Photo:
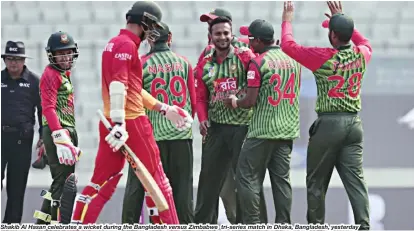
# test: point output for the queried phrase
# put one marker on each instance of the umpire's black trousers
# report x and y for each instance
(16, 155)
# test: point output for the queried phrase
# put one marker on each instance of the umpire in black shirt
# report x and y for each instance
(19, 99)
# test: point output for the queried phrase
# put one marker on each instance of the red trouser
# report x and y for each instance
(109, 164)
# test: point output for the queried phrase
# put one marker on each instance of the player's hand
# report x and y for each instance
(231, 102)
(181, 119)
(204, 125)
(117, 137)
(334, 7)
(288, 10)
(67, 153)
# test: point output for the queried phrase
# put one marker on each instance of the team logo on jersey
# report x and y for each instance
(211, 72)
(64, 38)
(233, 68)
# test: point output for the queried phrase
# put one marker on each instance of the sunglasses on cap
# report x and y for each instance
(14, 59)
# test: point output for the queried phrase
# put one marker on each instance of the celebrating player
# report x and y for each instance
(273, 81)
(124, 102)
(59, 135)
(218, 75)
(336, 137)
(228, 192)
(168, 77)
(208, 18)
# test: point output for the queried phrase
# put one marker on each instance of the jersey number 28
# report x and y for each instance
(158, 87)
(354, 86)
(288, 91)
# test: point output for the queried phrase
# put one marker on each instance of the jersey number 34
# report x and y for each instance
(159, 87)
(288, 91)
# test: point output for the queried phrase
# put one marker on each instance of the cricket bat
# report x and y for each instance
(140, 171)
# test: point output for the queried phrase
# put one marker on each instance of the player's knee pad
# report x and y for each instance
(53, 217)
(168, 216)
(68, 199)
(90, 203)
(162, 180)
(152, 209)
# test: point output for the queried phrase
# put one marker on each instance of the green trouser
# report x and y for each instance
(336, 140)
(256, 156)
(59, 172)
(177, 162)
(220, 153)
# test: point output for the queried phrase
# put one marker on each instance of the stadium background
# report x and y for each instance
(388, 91)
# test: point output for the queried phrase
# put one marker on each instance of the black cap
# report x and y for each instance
(259, 28)
(218, 12)
(340, 23)
(15, 49)
(164, 31)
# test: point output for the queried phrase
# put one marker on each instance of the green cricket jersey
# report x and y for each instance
(339, 81)
(165, 77)
(223, 79)
(276, 113)
(56, 89)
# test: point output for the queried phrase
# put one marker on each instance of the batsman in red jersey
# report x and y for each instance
(124, 102)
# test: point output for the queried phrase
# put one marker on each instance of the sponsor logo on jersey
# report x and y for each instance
(211, 72)
(109, 47)
(123, 56)
(225, 84)
(250, 75)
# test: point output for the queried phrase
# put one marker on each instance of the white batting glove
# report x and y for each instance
(67, 153)
(181, 119)
(117, 137)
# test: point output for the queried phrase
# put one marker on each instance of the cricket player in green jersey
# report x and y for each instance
(218, 75)
(59, 134)
(273, 84)
(228, 193)
(169, 78)
(336, 137)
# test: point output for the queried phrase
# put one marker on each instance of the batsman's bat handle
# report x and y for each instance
(104, 120)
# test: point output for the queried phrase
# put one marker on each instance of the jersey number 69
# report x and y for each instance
(159, 87)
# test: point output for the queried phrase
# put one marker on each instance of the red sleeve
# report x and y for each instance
(121, 62)
(202, 93)
(310, 57)
(245, 56)
(200, 59)
(49, 85)
(253, 75)
(191, 89)
(362, 44)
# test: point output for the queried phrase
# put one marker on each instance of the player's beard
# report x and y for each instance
(222, 44)
(330, 38)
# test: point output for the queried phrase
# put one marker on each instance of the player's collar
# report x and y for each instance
(132, 36)
(268, 48)
(344, 47)
(229, 55)
(158, 47)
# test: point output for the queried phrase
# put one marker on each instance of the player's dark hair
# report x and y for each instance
(343, 37)
(268, 42)
(217, 21)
